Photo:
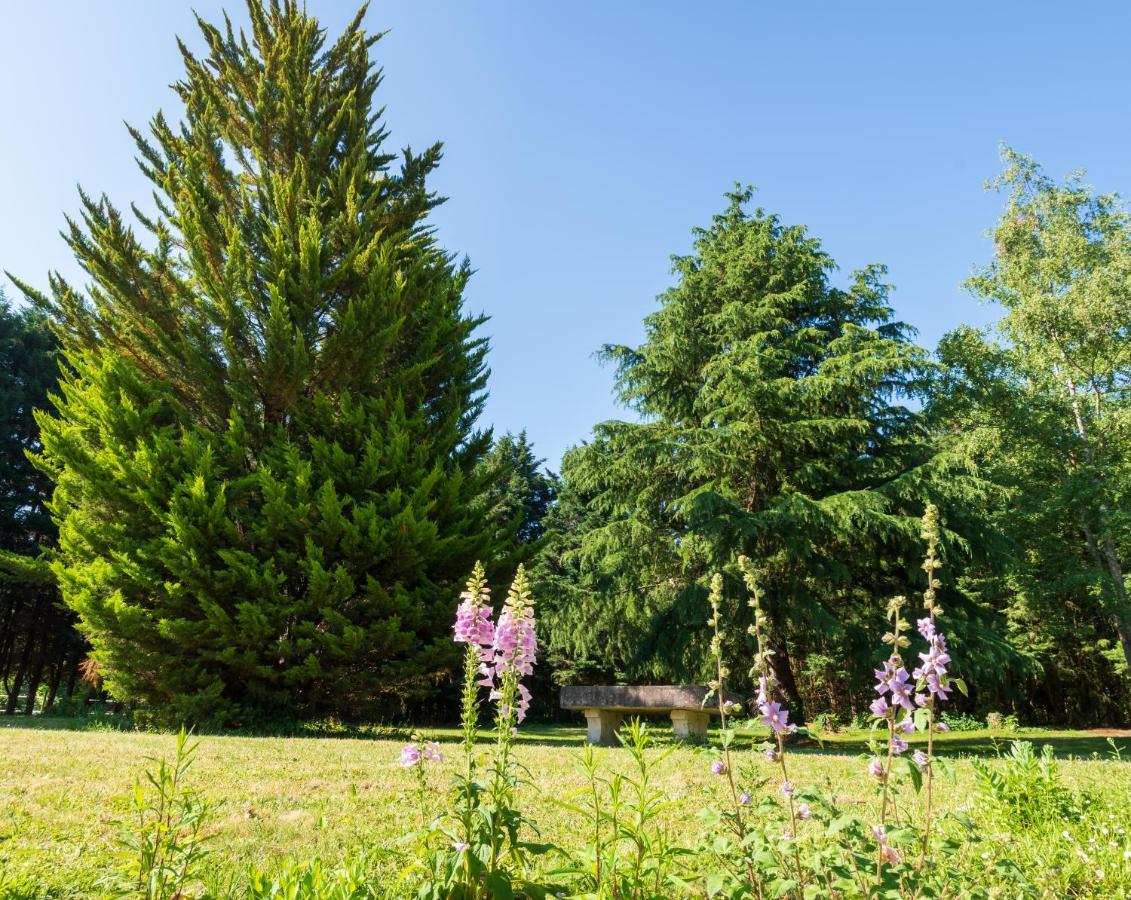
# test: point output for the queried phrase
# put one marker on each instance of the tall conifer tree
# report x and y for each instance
(265, 450)
(773, 421)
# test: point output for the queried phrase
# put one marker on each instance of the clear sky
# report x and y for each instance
(584, 140)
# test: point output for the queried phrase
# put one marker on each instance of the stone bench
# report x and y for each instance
(605, 707)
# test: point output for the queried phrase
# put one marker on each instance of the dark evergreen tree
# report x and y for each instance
(266, 456)
(773, 421)
(39, 647)
(522, 490)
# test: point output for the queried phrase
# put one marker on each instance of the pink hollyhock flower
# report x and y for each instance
(410, 755)
(432, 752)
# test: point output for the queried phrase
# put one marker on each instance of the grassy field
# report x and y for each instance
(62, 787)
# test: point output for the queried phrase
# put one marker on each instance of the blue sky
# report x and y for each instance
(584, 140)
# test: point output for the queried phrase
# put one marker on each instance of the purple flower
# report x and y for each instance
(941, 726)
(432, 752)
(514, 649)
(887, 853)
(763, 691)
(926, 628)
(803, 811)
(459, 846)
(744, 799)
(718, 767)
(921, 759)
(880, 708)
(771, 754)
(898, 745)
(876, 768)
(907, 725)
(776, 718)
(787, 788)
(410, 755)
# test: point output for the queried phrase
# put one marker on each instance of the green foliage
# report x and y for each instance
(1022, 788)
(268, 474)
(957, 721)
(774, 421)
(629, 852)
(39, 647)
(1042, 408)
(162, 843)
(312, 880)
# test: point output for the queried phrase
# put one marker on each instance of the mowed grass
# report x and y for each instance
(62, 788)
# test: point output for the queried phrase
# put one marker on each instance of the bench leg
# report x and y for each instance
(603, 725)
(688, 724)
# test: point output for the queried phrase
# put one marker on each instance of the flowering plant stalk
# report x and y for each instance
(515, 652)
(892, 681)
(773, 714)
(908, 702)
(475, 850)
(934, 682)
(717, 688)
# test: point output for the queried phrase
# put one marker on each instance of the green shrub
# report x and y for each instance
(1021, 788)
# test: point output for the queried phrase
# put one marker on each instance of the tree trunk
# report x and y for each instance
(18, 680)
(783, 671)
(56, 680)
(41, 643)
(1105, 544)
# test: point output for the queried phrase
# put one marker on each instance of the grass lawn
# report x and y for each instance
(62, 787)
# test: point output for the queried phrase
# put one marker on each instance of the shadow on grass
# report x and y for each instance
(1065, 744)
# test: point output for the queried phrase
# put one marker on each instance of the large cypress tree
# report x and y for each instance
(774, 421)
(265, 449)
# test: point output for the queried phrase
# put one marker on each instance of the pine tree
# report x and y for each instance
(265, 450)
(773, 422)
(522, 491)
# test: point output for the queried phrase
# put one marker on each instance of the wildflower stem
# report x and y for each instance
(931, 565)
(720, 689)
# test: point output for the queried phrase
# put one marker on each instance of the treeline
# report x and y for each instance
(261, 480)
(40, 650)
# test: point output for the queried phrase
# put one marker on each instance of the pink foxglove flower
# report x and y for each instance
(514, 648)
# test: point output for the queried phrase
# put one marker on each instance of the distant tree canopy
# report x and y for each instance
(1044, 406)
(773, 422)
(39, 647)
(268, 474)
